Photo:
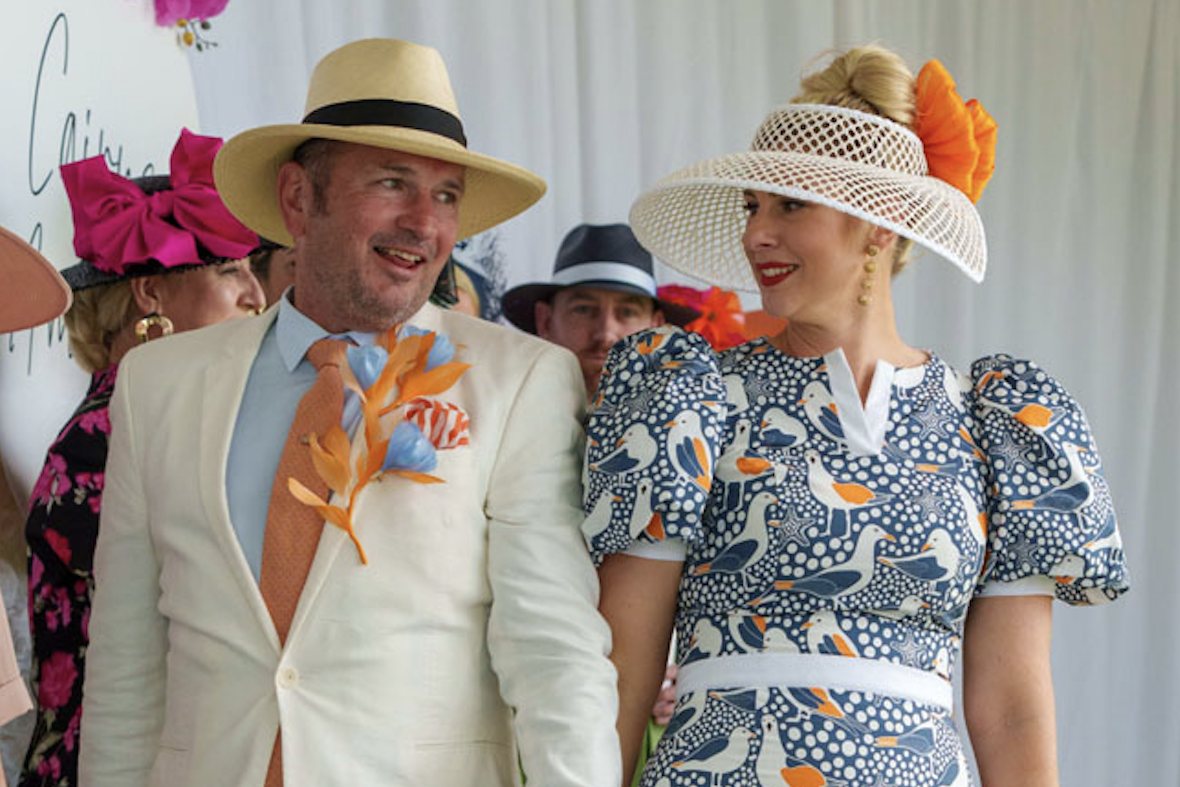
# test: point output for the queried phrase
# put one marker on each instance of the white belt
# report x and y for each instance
(803, 670)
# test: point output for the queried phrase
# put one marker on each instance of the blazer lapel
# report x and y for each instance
(224, 384)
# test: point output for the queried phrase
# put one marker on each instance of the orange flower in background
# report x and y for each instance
(722, 321)
(959, 137)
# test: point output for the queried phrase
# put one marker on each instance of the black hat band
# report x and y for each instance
(388, 112)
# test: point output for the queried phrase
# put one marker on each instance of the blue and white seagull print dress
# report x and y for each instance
(831, 549)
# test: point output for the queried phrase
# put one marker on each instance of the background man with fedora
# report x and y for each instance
(602, 290)
(444, 620)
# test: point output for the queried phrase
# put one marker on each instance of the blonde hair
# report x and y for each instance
(872, 79)
(95, 319)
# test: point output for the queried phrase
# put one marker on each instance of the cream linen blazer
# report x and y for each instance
(472, 633)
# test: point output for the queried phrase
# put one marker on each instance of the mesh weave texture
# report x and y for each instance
(855, 162)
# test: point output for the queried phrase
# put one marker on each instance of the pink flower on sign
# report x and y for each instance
(169, 12)
(58, 675)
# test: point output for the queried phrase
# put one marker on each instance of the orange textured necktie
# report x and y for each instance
(293, 529)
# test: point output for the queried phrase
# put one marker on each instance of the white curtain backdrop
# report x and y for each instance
(602, 97)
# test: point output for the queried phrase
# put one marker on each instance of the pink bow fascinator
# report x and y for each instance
(125, 227)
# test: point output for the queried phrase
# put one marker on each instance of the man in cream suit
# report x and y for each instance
(469, 634)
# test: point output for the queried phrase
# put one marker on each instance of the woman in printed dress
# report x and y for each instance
(828, 516)
(158, 256)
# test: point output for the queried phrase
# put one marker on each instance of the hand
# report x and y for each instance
(661, 712)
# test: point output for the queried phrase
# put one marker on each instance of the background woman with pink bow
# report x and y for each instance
(829, 515)
(159, 254)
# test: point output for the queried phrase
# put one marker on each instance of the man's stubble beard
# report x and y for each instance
(370, 313)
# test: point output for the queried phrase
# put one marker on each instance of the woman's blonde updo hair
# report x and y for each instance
(95, 319)
(872, 79)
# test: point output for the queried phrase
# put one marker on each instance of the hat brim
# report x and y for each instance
(693, 219)
(82, 275)
(35, 292)
(519, 302)
(247, 166)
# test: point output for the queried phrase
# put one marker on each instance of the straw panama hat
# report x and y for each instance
(380, 92)
(34, 292)
(855, 162)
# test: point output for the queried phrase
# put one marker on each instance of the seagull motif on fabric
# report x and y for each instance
(634, 451)
(919, 739)
(937, 560)
(840, 497)
(843, 579)
(740, 464)
(750, 630)
(780, 430)
(743, 553)
(825, 636)
(644, 519)
(773, 764)
(688, 451)
(820, 408)
(1075, 492)
(718, 756)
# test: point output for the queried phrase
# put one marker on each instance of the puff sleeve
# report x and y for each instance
(1052, 525)
(652, 441)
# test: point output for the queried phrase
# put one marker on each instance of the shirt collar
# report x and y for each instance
(295, 332)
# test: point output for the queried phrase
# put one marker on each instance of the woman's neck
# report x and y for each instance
(865, 338)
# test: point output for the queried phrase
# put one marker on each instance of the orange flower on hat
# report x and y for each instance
(959, 137)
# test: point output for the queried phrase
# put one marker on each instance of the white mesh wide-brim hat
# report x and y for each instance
(384, 93)
(855, 162)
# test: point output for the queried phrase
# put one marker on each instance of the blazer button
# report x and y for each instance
(288, 677)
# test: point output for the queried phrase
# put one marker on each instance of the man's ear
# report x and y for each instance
(295, 197)
(543, 319)
(146, 292)
(657, 318)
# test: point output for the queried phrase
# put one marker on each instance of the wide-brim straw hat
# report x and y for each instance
(384, 93)
(858, 163)
(34, 292)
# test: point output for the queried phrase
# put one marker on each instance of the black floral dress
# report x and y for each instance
(61, 529)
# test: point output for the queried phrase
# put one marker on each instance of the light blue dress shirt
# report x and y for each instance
(279, 377)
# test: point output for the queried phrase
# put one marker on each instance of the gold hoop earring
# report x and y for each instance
(146, 323)
(866, 284)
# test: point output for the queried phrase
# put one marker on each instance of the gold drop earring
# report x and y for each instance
(146, 323)
(866, 284)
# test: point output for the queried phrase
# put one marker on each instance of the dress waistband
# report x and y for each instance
(802, 670)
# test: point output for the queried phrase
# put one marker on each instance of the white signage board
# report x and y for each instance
(80, 79)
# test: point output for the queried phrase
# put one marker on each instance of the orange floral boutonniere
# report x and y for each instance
(402, 430)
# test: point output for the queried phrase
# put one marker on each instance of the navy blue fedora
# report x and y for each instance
(606, 256)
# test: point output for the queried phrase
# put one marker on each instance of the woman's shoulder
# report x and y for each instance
(1019, 387)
